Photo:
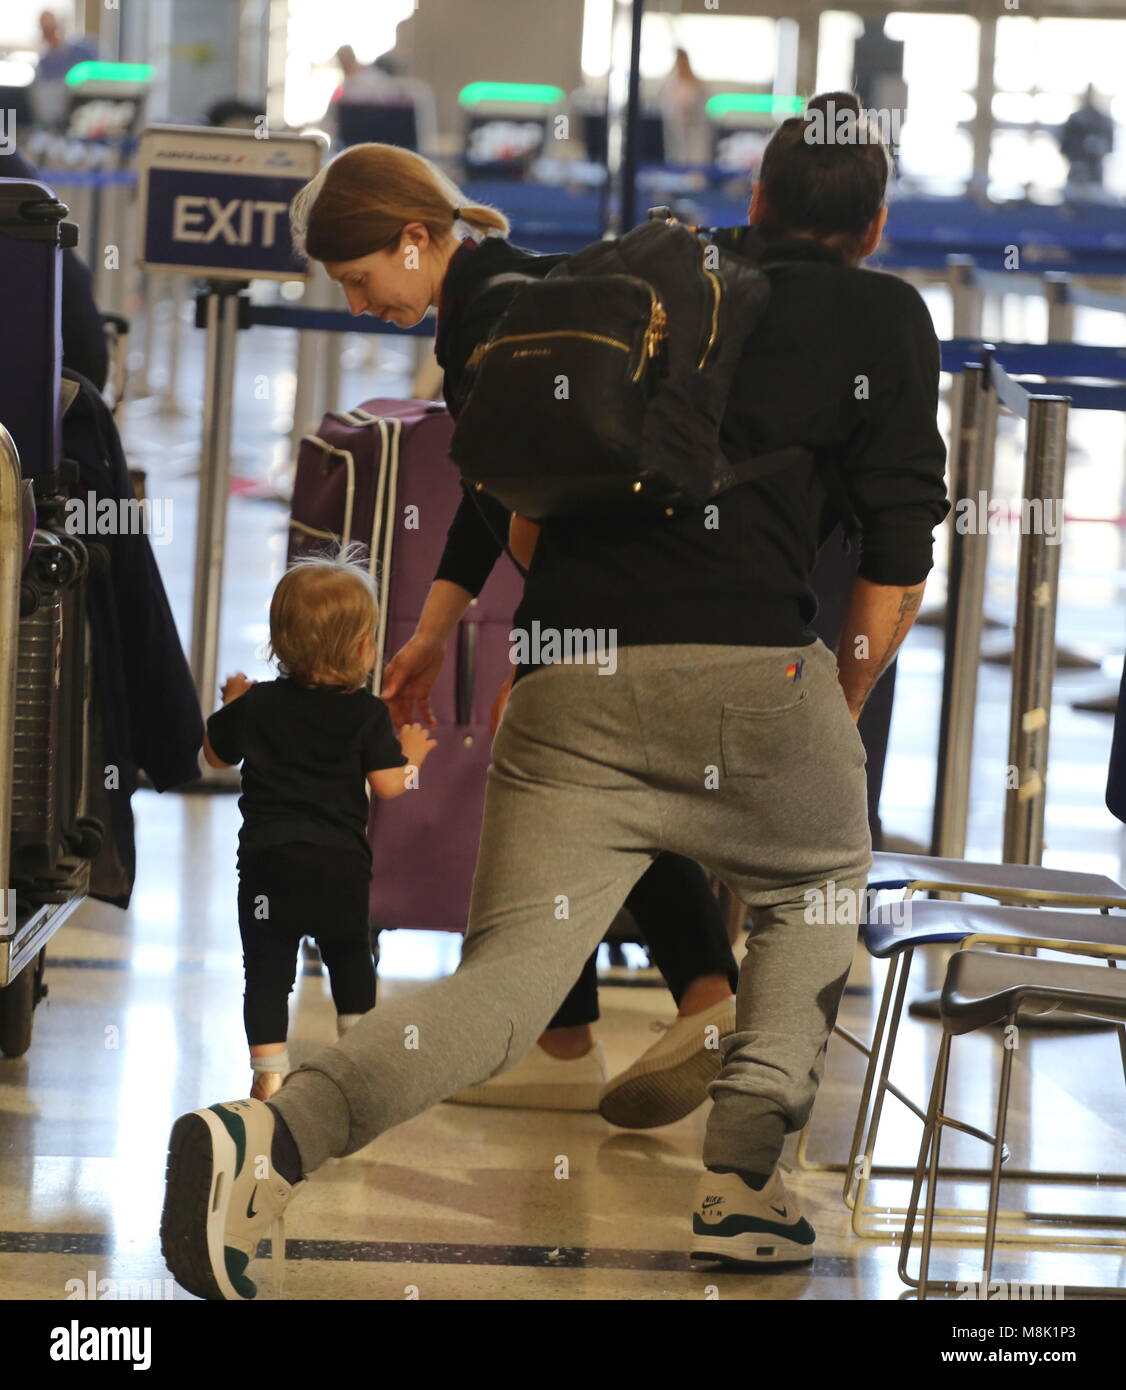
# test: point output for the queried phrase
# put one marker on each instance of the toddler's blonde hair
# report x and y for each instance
(321, 611)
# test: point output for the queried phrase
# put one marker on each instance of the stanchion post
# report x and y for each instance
(966, 297)
(223, 306)
(972, 476)
(1034, 654)
(169, 403)
(1061, 314)
(306, 385)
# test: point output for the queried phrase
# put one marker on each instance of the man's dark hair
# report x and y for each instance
(828, 188)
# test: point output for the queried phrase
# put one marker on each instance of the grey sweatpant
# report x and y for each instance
(727, 755)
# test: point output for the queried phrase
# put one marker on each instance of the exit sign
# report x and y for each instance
(215, 203)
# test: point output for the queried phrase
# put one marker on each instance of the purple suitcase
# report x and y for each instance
(382, 475)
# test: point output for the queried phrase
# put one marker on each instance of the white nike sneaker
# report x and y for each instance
(671, 1078)
(223, 1194)
(542, 1082)
(734, 1222)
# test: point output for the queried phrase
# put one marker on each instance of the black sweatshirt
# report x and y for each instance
(844, 361)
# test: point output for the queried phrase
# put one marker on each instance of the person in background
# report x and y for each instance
(1086, 139)
(56, 59)
(683, 101)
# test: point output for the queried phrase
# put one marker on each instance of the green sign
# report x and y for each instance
(515, 92)
(761, 103)
(108, 72)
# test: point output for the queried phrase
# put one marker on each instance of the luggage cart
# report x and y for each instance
(47, 842)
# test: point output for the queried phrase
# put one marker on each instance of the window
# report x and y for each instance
(1041, 72)
(722, 48)
(317, 28)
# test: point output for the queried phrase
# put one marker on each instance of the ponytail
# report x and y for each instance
(361, 201)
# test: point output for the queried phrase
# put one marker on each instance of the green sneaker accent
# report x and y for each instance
(236, 1262)
(739, 1225)
(236, 1129)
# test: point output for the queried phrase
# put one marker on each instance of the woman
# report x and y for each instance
(727, 736)
(364, 199)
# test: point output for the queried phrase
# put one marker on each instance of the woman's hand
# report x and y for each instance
(409, 679)
(497, 710)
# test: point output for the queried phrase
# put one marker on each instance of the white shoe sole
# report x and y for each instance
(200, 1178)
(752, 1248)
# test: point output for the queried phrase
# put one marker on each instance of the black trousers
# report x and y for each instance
(290, 891)
(672, 902)
(679, 917)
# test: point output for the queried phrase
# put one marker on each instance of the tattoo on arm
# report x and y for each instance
(908, 604)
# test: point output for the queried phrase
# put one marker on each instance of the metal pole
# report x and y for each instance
(631, 155)
(168, 402)
(332, 369)
(1034, 653)
(309, 387)
(1061, 315)
(971, 479)
(967, 298)
(141, 381)
(222, 319)
(983, 95)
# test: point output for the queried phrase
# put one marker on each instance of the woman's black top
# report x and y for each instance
(845, 361)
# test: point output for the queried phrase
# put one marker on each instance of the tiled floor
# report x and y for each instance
(143, 1019)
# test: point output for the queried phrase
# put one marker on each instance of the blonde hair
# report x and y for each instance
(361, 201)
(321, 611)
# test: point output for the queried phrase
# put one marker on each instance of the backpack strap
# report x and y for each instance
(502, 541)
(762, 465)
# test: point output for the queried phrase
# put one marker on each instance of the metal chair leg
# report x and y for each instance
(882, 1086)
(925, 1142)
(874, 1051)
(943, 1071)
(998, 1158)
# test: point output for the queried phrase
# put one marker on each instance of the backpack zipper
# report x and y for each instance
(717, 290)
(654, 335)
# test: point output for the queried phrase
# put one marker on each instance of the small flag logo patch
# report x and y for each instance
(794, 670)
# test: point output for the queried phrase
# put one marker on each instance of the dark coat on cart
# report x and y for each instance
(146, 713)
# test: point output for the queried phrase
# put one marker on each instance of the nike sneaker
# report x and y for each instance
(223, 1195)
(734, 1222)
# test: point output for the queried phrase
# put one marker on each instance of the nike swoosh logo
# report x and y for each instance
(780, 1210)
(250, 1212)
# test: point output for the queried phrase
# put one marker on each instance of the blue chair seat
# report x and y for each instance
(903, 870)
(908, 923)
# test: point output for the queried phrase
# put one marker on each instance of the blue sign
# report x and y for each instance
(215, 203)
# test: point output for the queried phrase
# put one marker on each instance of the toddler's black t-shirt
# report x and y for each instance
(305, 754)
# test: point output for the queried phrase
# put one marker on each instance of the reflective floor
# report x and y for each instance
(143, 1020)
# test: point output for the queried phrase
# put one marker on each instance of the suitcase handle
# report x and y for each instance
(466, 676)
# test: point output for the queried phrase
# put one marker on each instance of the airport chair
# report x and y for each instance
(894, 932)
(1016, 883)
(1012, 883)
(984, 989)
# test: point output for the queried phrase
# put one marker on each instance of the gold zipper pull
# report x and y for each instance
(657, 331)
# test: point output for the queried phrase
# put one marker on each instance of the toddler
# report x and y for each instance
(310, 743)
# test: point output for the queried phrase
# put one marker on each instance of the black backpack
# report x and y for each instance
(603, 386)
